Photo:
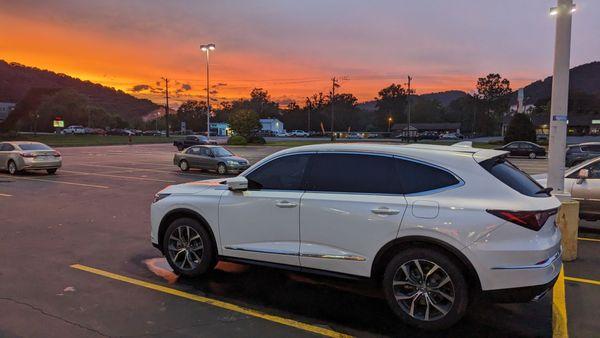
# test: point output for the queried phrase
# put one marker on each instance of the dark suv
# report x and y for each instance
(577, 153)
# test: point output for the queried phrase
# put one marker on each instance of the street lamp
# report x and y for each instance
(560, 96)
(207, 48)
(389, 123)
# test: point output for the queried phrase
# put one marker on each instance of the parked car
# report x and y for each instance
(210, 157)
(95, 131)
(153, 133)
(299, 133)
(283, 134)
(428, 135)
(75, 129)
(354, 136)
(192, 140)
(578, 153)
(372, 135)
(450, 136)
(541, 137)
(120, 132)
(436, 226)
(524, 148)
(583, 183)
(17, 156)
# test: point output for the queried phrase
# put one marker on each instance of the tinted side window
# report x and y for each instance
(284, 173)
(353, 173)
(513, 177)
(6, 147)
(594, 148)
(416, 177)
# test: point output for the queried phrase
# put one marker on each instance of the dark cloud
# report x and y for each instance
(186, 86)
(140, 88)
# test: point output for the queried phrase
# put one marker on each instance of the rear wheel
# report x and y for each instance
(222, 169)
(12, 167)
(51, 171)
(532, 155)
(180, 148)
(426, 288)
(184, 165)
(188, 248)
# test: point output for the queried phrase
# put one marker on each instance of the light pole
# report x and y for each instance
(207, 48)
(560, 96)
(389, 124)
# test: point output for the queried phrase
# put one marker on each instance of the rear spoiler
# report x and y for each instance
(480, 154)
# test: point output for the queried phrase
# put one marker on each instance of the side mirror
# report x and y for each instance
(583, 174)
(238, 183)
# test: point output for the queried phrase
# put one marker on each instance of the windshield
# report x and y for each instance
(221, 152)
(34, 146)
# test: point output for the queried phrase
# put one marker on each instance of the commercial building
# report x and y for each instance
(5, 109)
(220, 129)
(271, 126)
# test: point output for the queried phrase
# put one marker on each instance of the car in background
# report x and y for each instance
(372, 135)
(210, 157)
(428, 135)
(20, 155)
(120, 132)
(72, 130)
(193, 140)
(299, 133)
(434, 226)
(583, 183)
(577, 153)
(524, 148)
(451, 136)
(95, 131)
(541, 137)
(354, 136)
(283, 134)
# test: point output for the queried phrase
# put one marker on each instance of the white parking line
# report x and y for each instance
(119, 177)
(5, 195)
(63, 182)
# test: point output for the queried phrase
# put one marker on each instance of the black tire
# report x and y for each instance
(180, 148)
(192, 267)
(456, 288)
(51, 171)
(12, 167)
(184, 165)
(222, 169)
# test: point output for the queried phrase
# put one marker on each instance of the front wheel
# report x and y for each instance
(188, 248)
(184, 166)
(532, 156)
(425, 288)
(222, 169)
(51, 171)
(12, 168)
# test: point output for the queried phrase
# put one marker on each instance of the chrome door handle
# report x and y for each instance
(285, 204)
(385, 211)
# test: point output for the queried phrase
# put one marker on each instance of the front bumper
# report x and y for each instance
(237, 168)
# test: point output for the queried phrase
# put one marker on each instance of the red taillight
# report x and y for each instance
(27, 155)
(56, 154)
(533, 220)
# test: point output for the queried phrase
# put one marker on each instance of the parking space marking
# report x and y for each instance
(120, 177)
(228, 306)
(559, 308)
(5, 195)
(63, 182)
(589, 239)
(582, 280)
(129, 168)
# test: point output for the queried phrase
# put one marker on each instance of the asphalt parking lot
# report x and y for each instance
(76, 260)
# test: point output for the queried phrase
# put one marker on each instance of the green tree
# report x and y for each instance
(193, 113)
(245, 122)
(427, 111)
(390, 102)
(520, 128)
(493, 92)
(68, 104)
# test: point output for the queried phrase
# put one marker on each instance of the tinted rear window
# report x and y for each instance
(416, 177)
(353, 173)
(512, 176)
(34, 146)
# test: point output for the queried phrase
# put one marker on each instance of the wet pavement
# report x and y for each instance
(95, 212)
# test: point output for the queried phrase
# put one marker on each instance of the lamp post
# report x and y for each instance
(389, 124)
(207, 48)
(560, 96)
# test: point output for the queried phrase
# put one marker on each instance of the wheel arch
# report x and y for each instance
(183, 213)
(390, 249)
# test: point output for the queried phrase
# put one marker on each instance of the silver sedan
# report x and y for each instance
(210, 157)
(19, 155)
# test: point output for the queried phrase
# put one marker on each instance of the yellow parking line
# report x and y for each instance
(63, 182)
(559, 308)
(582, 280)
(589, 239)
(213, 302)
(5, 195)
(120, 177)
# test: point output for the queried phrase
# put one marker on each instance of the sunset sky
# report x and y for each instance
(291, 48)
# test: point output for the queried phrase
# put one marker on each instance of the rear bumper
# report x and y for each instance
(32, 164)
(519, 295)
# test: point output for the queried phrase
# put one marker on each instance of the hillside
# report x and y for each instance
(442, 97)
(16, 80)
(584, 78)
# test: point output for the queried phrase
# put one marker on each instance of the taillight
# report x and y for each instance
(56, 154)
(533, 220)
(27, 155)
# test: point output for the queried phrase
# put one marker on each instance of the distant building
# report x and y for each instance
(441, 128)
(220, 129)
(272, 126)
(576, 124)
(5, 109)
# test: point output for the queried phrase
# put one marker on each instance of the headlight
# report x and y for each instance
(159, 197)
(232, 163)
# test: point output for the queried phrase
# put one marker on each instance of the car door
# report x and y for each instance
(351, 208)
(587, 191)
(204, 158)
(512, 148)
(192, 155)
(3, 155)
(262, 223)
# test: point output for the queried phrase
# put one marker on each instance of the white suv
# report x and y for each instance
(436, 225)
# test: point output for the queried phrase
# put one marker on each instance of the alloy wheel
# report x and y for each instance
(185, 247)
(12, 168)
(423, 290)
(221, 169)
(183, 165)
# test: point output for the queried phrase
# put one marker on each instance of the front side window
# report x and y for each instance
(355, 173)
(284, 173)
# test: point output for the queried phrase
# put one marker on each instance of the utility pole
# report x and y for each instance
(309, 108)
(167, 104)
(334, 84)
(408, 103)
(560, 96)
